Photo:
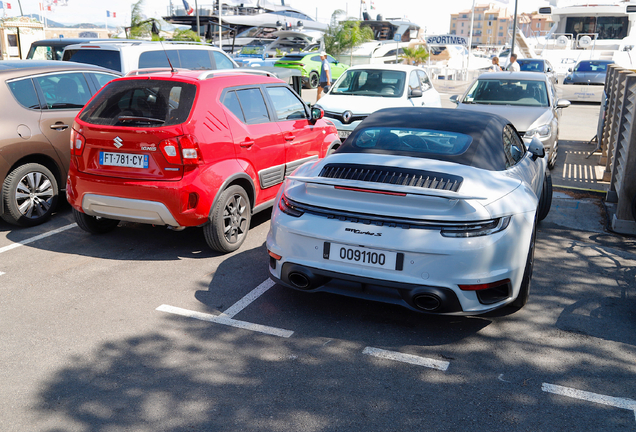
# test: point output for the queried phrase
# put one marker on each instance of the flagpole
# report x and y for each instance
(220, 23)
(198, 23)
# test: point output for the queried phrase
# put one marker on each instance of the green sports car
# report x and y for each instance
(309, 65)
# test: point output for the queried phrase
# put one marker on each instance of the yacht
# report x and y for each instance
(601, 30)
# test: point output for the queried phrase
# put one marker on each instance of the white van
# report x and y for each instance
(126, 56)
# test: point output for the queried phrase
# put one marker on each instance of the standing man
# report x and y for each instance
(514, 66)
(325, 75)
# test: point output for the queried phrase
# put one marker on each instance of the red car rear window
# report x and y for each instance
(139, 103)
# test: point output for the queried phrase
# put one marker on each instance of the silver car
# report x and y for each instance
(527, 99)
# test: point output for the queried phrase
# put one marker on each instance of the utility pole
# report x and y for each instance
(514, 33)
(470, 36)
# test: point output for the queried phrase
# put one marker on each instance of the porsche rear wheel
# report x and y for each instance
(524, 291)
(545, 202)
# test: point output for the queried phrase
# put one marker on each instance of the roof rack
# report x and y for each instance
(212, 73)
(147, 71)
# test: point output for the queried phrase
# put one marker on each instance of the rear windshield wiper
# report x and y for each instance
(125, 119)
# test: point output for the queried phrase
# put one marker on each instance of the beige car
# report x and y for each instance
(40, 100)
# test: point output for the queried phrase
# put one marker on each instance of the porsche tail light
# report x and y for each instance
(476, 229)
(484, 286)
(288, 208)
(78, 142)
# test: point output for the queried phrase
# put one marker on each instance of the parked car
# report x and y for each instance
(40, 99)
(538, 65)
(125, 56)
(588, 72)
(365, 89)
(188, 148)
(52, 49)
(435, 210)
(529, 100)
(309, 64)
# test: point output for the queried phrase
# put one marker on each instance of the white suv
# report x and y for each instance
(126, 56)
(364, 89)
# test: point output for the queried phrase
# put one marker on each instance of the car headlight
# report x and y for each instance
(476, 229)
(542, 131)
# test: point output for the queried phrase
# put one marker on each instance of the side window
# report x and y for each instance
(424, 81)
(195, 59)
(155, 59)
(102, 78)
(232, 103)
(414, 81)
(64, 91)
(330, 59)
(24, 92)
(222, 61)
(513, 147)
(316, 59)
(44, 53)
(253, 104)
(287, 105)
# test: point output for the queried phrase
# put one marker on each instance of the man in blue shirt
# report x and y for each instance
(325, 75)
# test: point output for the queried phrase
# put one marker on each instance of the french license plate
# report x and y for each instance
(344, 134)
(363, 256)
(123, 160)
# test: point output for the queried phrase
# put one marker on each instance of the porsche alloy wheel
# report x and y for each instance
(30, 195)
(230, 221)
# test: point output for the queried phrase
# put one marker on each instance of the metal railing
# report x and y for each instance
(618, 146)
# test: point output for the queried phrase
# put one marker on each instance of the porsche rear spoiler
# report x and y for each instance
(385, 188)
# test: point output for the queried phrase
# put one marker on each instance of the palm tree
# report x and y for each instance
(139, 26)
(418, 54)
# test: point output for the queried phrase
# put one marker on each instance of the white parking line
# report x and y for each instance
(623, 403)
(36, 238)
(226, 321)
(249, 298)
(406, 358)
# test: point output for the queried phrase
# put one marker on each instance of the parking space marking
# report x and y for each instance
(249, 298)
(226, 321)
(623, 403)
(36, 238)
(407, 358)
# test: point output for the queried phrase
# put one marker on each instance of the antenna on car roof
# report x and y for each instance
(166, 53)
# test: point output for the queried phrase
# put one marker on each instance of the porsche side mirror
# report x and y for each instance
(536, 148)
(563, 103)
(454, 99)
(413, 93)
(316, 114)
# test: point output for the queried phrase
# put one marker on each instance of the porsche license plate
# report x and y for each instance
(363, 256)
(123, 160)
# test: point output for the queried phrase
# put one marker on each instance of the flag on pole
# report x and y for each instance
(189, 10)
(109, 14)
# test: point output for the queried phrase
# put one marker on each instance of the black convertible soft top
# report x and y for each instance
(486, 150)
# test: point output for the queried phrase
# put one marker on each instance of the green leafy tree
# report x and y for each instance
(418, 54)
(139, 27)
(185, 35)
(345, 36)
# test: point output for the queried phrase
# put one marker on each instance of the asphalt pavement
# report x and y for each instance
(146, 329)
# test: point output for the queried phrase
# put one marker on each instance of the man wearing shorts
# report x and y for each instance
(325, 75)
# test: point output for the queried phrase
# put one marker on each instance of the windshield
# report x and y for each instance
(508, 92)
(591, 66)
(531, 65)
(371, 82)
(418, 142)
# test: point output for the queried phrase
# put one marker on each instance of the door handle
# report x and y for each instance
(59, 126)
(247, 144)
(290, 137)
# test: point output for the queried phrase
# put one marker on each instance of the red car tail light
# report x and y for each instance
(190, 150)
(170, 150)
(479, 287)
(78, 142)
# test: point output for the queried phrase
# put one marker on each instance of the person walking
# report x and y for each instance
(495, 65)
(514, 66)
(325, 76)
